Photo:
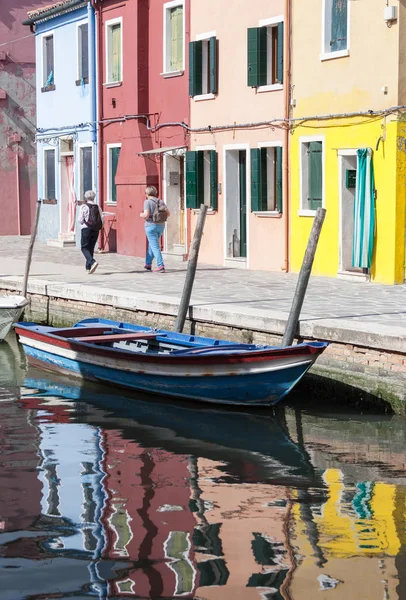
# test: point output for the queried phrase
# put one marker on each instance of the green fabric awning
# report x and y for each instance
(364, 211)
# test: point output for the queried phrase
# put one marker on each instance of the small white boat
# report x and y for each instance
(11, 308)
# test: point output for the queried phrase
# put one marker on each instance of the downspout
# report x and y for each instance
(18, 192)
(98, 85)
(286, 158)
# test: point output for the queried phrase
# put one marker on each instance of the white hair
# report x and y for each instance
(90, 195)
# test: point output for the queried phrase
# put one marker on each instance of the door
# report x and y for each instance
(236, 204)
(174, 197)
(347, 184)
(242, 163)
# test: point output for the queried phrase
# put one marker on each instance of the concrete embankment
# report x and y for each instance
(365, 324)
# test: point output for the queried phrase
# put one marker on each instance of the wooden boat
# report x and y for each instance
(167, 363)
(11, 308)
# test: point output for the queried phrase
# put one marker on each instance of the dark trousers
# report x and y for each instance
(87, 244)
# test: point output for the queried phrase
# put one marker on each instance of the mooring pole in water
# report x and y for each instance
(303, 279)
(30, 248)
(191, 271)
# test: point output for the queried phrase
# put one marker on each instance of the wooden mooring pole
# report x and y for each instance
(191, 271)
(30, 248)
(303, 279)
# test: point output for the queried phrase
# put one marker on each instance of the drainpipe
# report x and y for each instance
(92, 68)
(18, 193)
(98, 84)
(286, 161)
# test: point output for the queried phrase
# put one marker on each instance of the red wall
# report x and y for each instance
(18, 184)
(143, 91)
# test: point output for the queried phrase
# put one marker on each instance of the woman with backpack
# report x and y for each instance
(91, 221)
(154, 214)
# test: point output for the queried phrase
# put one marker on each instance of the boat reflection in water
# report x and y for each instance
(156, 500)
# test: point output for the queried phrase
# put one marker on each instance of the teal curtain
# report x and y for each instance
(364, 211)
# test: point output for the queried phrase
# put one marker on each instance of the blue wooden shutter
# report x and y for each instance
(194, 179)
(195, 68)
(256, 56)
(279, 193)
(213, 179)
(279, 54)
(339, 10)
(315, 175)
(213, 65)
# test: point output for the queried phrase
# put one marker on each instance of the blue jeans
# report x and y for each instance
(154, 232)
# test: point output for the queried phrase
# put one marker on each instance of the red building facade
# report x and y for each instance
(143, 113)
(18, 177)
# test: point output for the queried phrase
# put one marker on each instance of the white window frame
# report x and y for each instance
(326, 25)
(270, 213)
(109, 201)
(204, 37)
(107, 26)
(79, 147)
(79, 47)
(303, 212)
(166, 7)
(44, 170)
(42, 42)
(271, 22)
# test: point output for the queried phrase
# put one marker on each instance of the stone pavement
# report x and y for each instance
(356, 312)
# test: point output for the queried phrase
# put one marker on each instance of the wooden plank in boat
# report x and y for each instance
(117, 337)
(80, 331)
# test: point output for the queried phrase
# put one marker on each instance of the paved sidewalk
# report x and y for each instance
(334, 309)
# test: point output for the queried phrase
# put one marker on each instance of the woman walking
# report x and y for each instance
(154, 214)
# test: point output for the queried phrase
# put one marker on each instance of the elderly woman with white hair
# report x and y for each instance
(91, 221)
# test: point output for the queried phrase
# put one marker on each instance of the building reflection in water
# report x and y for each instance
(151, 522)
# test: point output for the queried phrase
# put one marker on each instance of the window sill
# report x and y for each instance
(333, 55)
(306, 213)
(274, 87)
(210, 211)
(48, 88)
(49, 201)
(110, 203)
(112, 84)
(204, 97)
(270, 214)
(82, 81)
(168, 74)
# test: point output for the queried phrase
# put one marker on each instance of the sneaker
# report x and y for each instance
(87, 271)
(160, 269)
(148, 267)
(93, 267)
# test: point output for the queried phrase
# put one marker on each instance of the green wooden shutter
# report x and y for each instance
(279, 55)
(176, 29)
(263, 182)
(256, 199)
(116, 52)
(279, 193)
(256, 56)
(115, 154)
(194, 179)
(315, 175)
(195, 68)
(339, 10)
(213, 179)
(213, 65)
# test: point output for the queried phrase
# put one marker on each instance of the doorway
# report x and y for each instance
(174, 197)
(347, 183)
(68, 194)
(236, 205)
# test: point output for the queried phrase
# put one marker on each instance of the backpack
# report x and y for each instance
(94, 222)
(159, 214)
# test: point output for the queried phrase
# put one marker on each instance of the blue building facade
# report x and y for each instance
(66, 114)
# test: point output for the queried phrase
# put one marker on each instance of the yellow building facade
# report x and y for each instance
(348, 95)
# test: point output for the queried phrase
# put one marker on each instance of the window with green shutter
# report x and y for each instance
(266, 179)
(312, 175)
(174, 36)
(50, 175)
(265, 55)
(201, 179)
(113, 158)
(203, 67)
(114, 61)
(339, 10)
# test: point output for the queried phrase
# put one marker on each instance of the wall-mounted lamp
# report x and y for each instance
(390, 14)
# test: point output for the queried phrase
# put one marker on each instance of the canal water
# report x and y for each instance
(106, 495)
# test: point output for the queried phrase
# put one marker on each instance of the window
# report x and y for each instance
(335, 26)
(113, 153)
(265, 54)
(203, 67)
(173, 37)
(312, 175)
(86, 170)
(201, 178)
(114, 50)
(48, 78)
(49, 175)
(266, 179)
(83, 54)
